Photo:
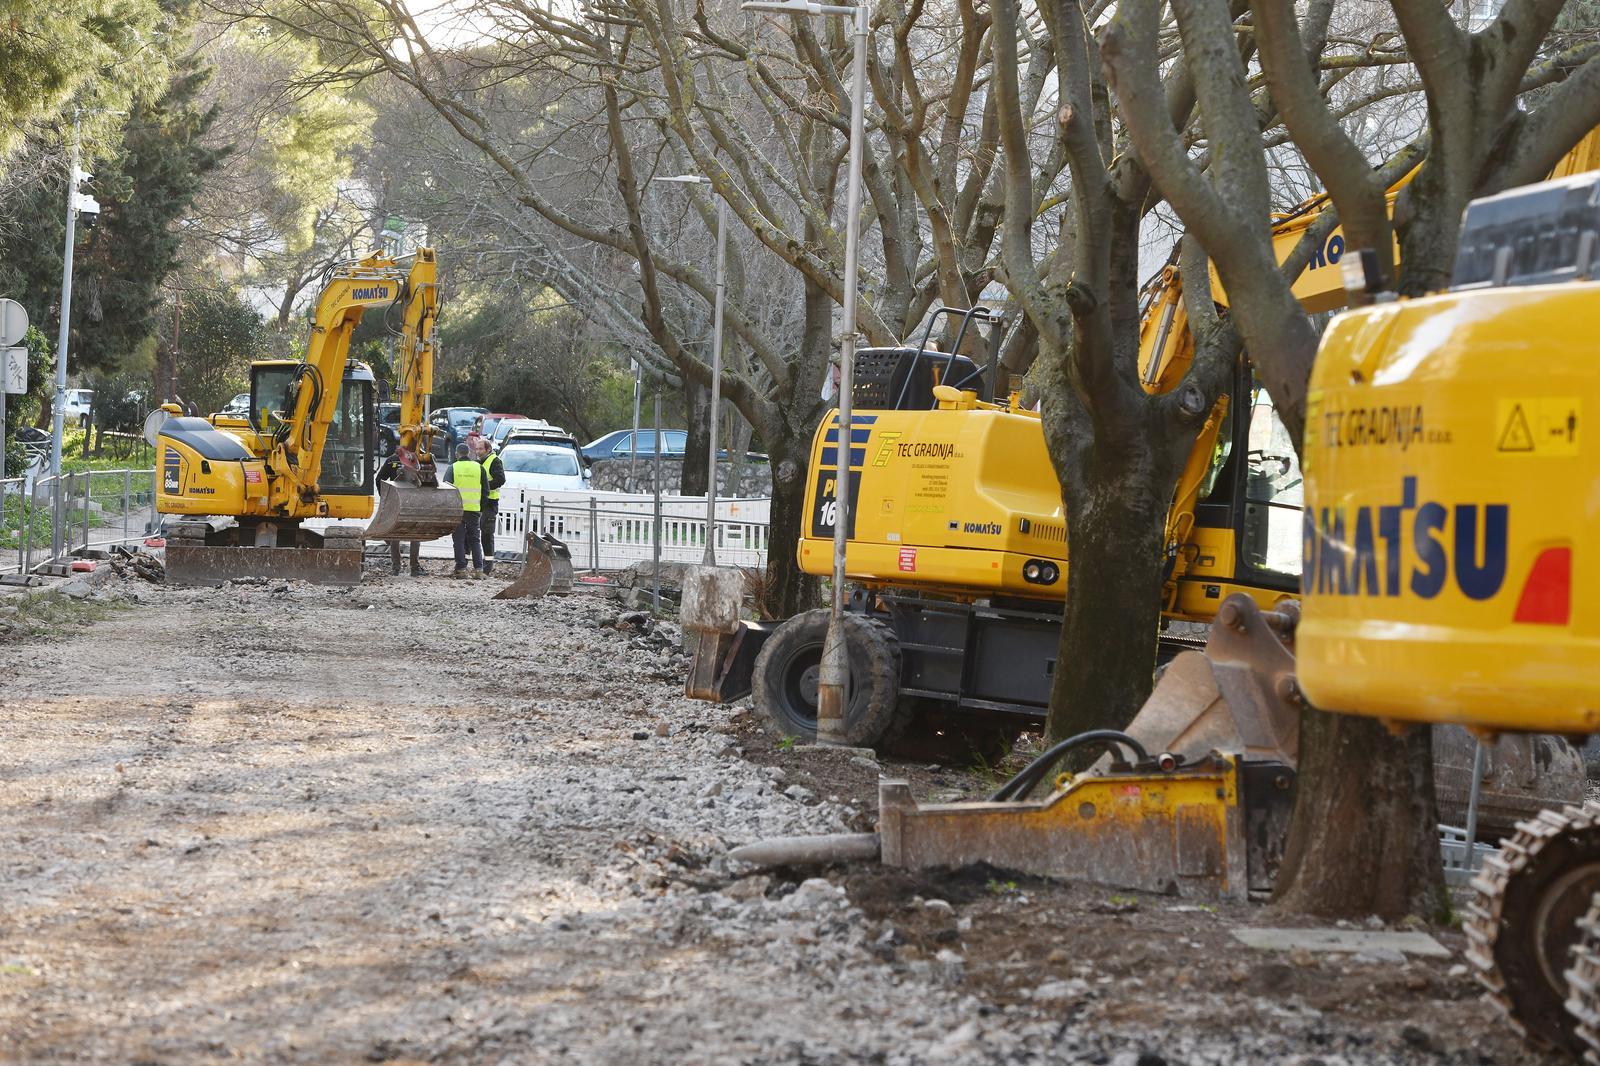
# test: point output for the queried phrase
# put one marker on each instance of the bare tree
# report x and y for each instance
(1362, 839)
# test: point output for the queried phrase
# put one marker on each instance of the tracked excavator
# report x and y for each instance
(242, 495)
(1446, 561)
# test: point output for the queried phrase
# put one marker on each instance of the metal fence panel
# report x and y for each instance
(99, 508)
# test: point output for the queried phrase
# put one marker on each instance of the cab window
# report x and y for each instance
(1274, 491)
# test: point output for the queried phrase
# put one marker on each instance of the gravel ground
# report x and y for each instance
(406, 822)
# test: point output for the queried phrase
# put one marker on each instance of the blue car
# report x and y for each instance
(618, 444)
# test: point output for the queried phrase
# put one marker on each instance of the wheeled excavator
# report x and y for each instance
(242, 493)
(958, 544)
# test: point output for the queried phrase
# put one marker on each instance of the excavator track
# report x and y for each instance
(1583, 983)
(1524, 923)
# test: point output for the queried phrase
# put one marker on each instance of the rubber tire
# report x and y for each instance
(872, 717)
(386, 445)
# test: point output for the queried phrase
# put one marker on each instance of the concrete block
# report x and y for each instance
(712, 598)
(1376, 944)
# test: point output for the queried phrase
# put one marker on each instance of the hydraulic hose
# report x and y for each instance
(1029, 776)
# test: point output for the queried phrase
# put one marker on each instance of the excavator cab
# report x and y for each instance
(349, 455)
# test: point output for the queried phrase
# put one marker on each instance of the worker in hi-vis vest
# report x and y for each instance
(494, 476)
(466, 474)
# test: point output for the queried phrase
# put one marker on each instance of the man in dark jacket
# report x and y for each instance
(494, 476)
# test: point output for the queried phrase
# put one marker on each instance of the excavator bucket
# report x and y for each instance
(413, 512)
(546, 570)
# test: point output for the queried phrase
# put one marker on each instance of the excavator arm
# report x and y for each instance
(299, 431)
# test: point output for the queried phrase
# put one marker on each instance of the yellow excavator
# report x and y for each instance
(1452, 524)
(239, 492)
(958, 538)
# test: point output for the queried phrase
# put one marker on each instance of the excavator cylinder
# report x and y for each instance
(413, 512)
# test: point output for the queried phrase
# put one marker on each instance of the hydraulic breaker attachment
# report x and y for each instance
(1200, 831)
(546, 570)
(1181, 832)
(414, 512)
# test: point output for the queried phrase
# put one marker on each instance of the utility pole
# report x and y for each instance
(710, 558)
(834, 678)
(633, 451)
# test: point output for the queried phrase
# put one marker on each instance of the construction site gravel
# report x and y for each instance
(409, 823)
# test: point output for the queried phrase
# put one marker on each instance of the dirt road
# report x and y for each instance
(408, 822)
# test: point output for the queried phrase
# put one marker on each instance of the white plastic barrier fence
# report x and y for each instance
(613, 530)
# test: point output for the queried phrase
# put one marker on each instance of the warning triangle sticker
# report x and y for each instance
(1516, 437)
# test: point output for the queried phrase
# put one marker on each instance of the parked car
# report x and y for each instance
(238, 407)
(454, 424)
(618, 444)
(505, 427)
(494, 418)
(544, 463)
(78, 406)
(388, 416)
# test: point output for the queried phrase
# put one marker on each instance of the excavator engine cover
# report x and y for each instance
(414, 512)
(1450, 522)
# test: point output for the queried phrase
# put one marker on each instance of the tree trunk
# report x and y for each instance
(697, 448)
(165, 384)
(738, 447)
(788, 590)
(1362, 838)
(1107, 653)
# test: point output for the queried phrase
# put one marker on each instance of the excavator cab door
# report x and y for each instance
(1247, 531)
(350, 453)
(349, 458)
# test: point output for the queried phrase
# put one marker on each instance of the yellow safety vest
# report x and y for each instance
(468, 477)
(488, 475)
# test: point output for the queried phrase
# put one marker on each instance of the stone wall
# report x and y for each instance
(611, 475)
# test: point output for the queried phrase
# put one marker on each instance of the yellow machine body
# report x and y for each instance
(194, 482)
(1453, 511)
(950, 500)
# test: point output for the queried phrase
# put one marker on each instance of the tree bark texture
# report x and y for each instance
(697, 448)
(1362, 839)
(787, 589)
(1116, 517)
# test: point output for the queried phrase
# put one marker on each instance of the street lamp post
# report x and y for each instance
(835, 673)
(76, 202)
(710, 558)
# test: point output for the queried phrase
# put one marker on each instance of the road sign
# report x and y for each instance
(13, 322)
(13, 370)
